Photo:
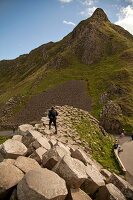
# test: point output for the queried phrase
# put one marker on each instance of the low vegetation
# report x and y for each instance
(101, 146)
(3, 139)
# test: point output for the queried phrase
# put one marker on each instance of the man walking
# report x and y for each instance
(52, 114)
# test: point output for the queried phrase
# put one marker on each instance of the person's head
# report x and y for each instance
(52, 108)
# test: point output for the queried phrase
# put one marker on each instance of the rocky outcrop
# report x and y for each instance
(41, 184)
(109, 117)
(57, 169)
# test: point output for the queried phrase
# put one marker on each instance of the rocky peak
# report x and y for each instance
(99, 15)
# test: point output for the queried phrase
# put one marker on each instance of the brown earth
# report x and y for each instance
(73, 93)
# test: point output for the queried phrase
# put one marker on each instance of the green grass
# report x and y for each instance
(2, 139)
(101, 146)
(98, 77)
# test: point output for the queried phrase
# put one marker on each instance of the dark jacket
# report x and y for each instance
(52, 114)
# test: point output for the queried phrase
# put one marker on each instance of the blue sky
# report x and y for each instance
(26, 24)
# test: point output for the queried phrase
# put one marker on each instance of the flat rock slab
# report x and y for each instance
(35, 134)
(94, 180)
(13, 149)
(9, 177)
(44, 142)
(26, 164)
(109, 192)
(66, 148)
(78, 194)
(72, 171)
(41, 184)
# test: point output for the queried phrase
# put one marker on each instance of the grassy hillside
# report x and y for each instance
(95, 51)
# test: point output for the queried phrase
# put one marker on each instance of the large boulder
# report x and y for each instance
(94, 180)
(17, 137)
(37, 154)
(110, 115)
(80, 155)
(51, 157)
(41, 185)
(24, 129)
(109, 192)
(77, 194)
(30, 136)
(9, 161)
(9, 177)
(123, 185)
(71, 170)
(13, 149)
(26, 164)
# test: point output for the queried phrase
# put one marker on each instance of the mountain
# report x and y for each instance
(96, 51)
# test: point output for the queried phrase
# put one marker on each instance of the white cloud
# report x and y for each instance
(87, 2)
(91, 10)
(88, 11)
(130, 1)
(69, 23)
(125, 18)
(65, 1)
(89, 7)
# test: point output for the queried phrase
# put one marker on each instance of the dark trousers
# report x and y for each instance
(54, 122)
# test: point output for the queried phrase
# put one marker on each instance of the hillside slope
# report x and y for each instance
(96, 51)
